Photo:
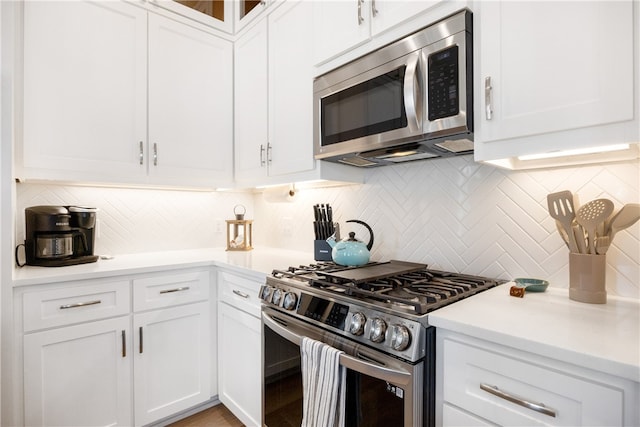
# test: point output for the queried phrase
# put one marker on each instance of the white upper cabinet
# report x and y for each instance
(343, 25)
(273, 102)
(112, 98)
(553, 76)
(84, 90)
(190, 98)
(214, 13)
(290, 89)
(251, 105)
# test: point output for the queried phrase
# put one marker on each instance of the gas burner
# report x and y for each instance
(401, 286)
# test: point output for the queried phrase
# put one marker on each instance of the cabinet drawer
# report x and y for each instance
(65, 306)
(240, 292)
(170, 289)
(495, 386)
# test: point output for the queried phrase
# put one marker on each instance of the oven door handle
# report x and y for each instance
(395, 376)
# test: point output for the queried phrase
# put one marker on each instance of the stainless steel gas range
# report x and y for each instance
(378, 315)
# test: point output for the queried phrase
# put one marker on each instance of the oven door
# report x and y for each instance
(373, 108)
(380, 391)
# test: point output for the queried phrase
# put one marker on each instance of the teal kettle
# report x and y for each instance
(350, 251)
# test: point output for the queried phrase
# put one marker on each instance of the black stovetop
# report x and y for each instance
(406, 286)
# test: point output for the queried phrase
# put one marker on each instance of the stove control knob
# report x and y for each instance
(378, 328)
(266, 292)
(277, 296)
(356, 326)
(400, 337)
(290, 300)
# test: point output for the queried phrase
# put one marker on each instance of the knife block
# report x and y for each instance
(322, 250)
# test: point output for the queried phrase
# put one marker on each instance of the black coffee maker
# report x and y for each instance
(59, 235)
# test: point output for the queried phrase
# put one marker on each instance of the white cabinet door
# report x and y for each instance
(339, 26)
(291, 88)
(84, 91)
(171, 361)
(553, 67)
(190, 99)
(389, 13)
(239, 363)
(251, 107)
(79, 375)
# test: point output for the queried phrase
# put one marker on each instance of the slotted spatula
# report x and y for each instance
(561, 209)
(590, 215)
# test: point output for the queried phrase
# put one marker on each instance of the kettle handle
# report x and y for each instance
(370, 244)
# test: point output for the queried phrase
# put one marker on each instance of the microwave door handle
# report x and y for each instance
(410, 93)
(385, 374)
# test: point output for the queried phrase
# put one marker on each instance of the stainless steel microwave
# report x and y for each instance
(409, 100)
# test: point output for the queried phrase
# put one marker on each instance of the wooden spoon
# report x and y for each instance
(626, 217)
(590, 215)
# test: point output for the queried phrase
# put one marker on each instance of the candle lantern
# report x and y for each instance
(239, 231)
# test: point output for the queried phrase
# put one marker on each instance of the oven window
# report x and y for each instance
(369, 108)
(370, 402)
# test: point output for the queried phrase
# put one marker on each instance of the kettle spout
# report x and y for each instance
(332, 240)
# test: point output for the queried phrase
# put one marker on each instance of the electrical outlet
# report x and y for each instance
(219, 225)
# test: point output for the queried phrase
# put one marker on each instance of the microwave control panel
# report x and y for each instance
(443, 87)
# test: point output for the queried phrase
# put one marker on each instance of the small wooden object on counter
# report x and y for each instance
(239, 232)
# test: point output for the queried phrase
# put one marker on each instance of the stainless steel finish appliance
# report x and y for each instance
(378, 315)
(410, 100)
(59, 235)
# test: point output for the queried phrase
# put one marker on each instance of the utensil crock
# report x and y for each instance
(587, 278)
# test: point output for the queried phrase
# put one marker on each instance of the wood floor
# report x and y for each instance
(217, 416)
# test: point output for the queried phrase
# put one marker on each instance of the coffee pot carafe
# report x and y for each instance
(59, 235)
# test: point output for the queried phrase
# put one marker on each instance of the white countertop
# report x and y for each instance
(603, 337)
(259, 262)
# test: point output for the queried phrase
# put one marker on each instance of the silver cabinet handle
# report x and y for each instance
(141, 155)
(155, 154)
(262, 160)
(374, 9)
(124, 344)
(141, 346)
(240, 293)
(488, 103)
(168, 291)
(538, 407)
(360, 18)
(79, 304)
(269, 152)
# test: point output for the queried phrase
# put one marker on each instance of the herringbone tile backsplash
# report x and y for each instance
(452, 214)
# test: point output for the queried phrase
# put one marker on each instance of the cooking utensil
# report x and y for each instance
(561, 209)
(578, 233)
(563, 233)
(626, 217)
(590, 216)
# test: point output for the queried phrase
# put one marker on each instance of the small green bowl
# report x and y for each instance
(532, 285)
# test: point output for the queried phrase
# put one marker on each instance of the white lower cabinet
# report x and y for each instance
(239, 347)
(79, 375)
(94, 350)
(171, 361)
(484, 383)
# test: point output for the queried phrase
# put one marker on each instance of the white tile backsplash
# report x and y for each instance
(452, 214)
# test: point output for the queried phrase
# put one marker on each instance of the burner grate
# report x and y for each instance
(405, 286)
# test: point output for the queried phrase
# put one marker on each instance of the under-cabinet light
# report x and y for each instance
(576, 152)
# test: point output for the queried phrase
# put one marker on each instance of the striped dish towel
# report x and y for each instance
(323, 385)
